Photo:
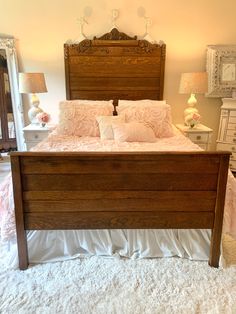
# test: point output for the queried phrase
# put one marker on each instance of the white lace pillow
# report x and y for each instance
(105, 126)
(78, 117)
(157, 117)
(133, 132)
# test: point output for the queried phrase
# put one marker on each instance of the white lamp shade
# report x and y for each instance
(193, 83)
(31, 83)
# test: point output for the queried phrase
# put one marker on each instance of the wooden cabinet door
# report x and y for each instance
(7, 127)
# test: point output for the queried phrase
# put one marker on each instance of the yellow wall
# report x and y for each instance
(186, 26)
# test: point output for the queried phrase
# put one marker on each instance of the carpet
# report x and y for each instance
(113, 285)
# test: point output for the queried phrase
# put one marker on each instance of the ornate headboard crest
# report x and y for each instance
(114, 34)
(114, 37)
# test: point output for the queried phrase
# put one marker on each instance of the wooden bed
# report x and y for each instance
(118, 190)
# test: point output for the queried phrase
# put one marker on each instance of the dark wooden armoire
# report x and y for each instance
(7, 126)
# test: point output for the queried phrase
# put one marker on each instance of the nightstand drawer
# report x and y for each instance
(199, 137)
(35, 136)
(232, 164)
(232, 120)
(231, 126)
(231, 132)
(231, 139)
(227, 147)
(233, 156)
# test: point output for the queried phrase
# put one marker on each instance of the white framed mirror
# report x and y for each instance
(221, 68)
(11, 109)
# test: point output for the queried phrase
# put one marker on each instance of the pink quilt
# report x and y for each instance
(73, 143)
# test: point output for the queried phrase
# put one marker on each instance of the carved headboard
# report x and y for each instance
(114, 66)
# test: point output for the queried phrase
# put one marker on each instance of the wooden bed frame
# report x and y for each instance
(118, 190)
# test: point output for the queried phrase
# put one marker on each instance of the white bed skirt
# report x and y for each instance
(51, 246)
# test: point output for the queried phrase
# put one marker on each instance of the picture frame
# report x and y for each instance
(221, 69)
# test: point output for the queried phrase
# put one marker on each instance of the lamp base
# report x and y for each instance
(32, 113)
(34, 110)
(191, 115)
(190, 111)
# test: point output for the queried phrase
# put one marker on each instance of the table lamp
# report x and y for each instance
(192, 83)
(32, 83)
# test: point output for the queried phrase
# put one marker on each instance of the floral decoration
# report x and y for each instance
(192, 119)
(43, 118)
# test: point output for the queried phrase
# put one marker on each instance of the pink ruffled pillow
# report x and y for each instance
(124, 104)
(133, 132)
(78, 117)
(157, 117)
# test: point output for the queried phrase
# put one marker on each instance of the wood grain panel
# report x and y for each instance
(114, 67)
(190, 196)
(111, 220)
(123, 83)
(108, 95)
(127, 201)
(111, 163)
(123, 181)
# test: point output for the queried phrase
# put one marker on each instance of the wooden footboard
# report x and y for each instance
(119, 190)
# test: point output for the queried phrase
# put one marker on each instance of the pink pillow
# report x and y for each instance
(124, 104)
(157, 117)
(133, 132)
(78, 117)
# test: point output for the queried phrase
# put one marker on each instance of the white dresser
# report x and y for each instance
(34, 134)
(227, 129)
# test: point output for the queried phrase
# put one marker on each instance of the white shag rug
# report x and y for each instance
(112, 285)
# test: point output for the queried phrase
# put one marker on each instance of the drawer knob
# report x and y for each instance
(198, 137)
(36, 136)
(233, 148)
(234, 140)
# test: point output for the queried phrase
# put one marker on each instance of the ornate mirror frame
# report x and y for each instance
(8, 45)
(221, 68)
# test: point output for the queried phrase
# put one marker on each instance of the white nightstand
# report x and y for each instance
(200, 134)
(34, 134)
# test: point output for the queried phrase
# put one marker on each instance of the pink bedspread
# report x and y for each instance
(72, 143)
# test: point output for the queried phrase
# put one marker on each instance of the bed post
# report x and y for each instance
(219, 212)
(19, 214)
